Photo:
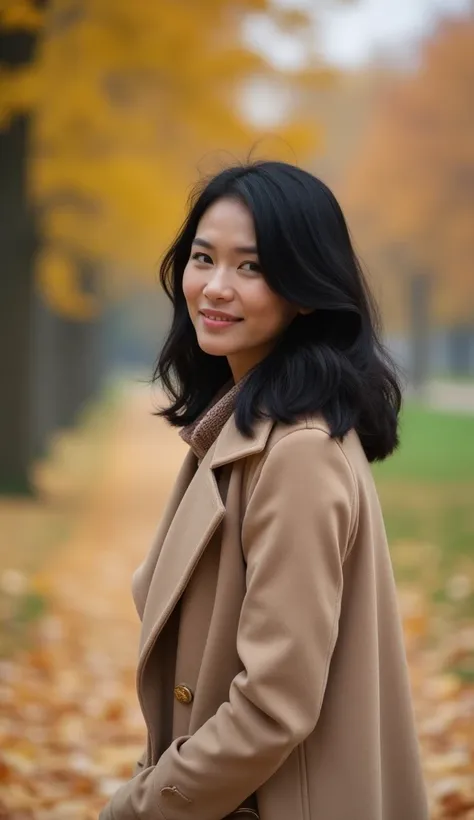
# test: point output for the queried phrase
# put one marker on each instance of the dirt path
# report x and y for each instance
(68, 711)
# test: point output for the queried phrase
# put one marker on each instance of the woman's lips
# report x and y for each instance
(218, 321)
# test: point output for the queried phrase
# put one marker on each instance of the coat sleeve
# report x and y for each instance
(295, 532)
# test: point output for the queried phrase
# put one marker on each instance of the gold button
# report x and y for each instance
(183, 693)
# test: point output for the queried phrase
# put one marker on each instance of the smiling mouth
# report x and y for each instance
(217, 319)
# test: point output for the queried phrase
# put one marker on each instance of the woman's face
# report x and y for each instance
(233, 310)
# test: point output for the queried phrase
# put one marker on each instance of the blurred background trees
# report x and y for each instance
(110, 110)
(107, 110)
(410, 193)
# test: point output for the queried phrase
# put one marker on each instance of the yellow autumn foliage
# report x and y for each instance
(19, 91)
(58, 280)
(20, 14)
(131, 103)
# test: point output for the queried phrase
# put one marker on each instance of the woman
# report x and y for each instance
(272, 675)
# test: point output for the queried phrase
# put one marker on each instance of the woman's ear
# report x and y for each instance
(306, 311)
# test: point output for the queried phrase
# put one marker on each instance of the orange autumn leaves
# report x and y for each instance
(410, 195)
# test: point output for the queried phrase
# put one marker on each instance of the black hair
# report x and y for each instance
(330, 361)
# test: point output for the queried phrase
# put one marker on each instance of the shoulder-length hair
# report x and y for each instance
(330, 361)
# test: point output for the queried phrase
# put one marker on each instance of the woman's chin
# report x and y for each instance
(214, 348)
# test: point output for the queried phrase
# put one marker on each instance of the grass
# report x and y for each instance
(435, 447)
(427, 495)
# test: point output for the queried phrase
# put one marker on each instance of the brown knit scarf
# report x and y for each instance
(205, 429)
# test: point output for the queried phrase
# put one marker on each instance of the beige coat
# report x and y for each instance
(271, 660)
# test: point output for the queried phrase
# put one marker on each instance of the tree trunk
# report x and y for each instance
(67, 372)
(78, 368)
(460, 341)
(420, 327)
(17, 246)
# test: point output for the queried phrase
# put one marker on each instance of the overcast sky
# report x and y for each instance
(351, 33)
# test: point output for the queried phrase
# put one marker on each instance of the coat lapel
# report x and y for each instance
(197, 518)
(144, 573)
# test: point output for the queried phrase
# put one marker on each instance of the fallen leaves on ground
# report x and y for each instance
(70, 726)
(444, 710)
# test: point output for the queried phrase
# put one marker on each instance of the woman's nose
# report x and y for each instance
(218, 286)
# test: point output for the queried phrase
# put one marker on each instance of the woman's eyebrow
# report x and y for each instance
(243, 249)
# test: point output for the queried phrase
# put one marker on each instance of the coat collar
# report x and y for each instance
(231, 445)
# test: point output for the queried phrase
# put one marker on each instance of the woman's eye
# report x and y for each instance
(251, 266)
(202, 257)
